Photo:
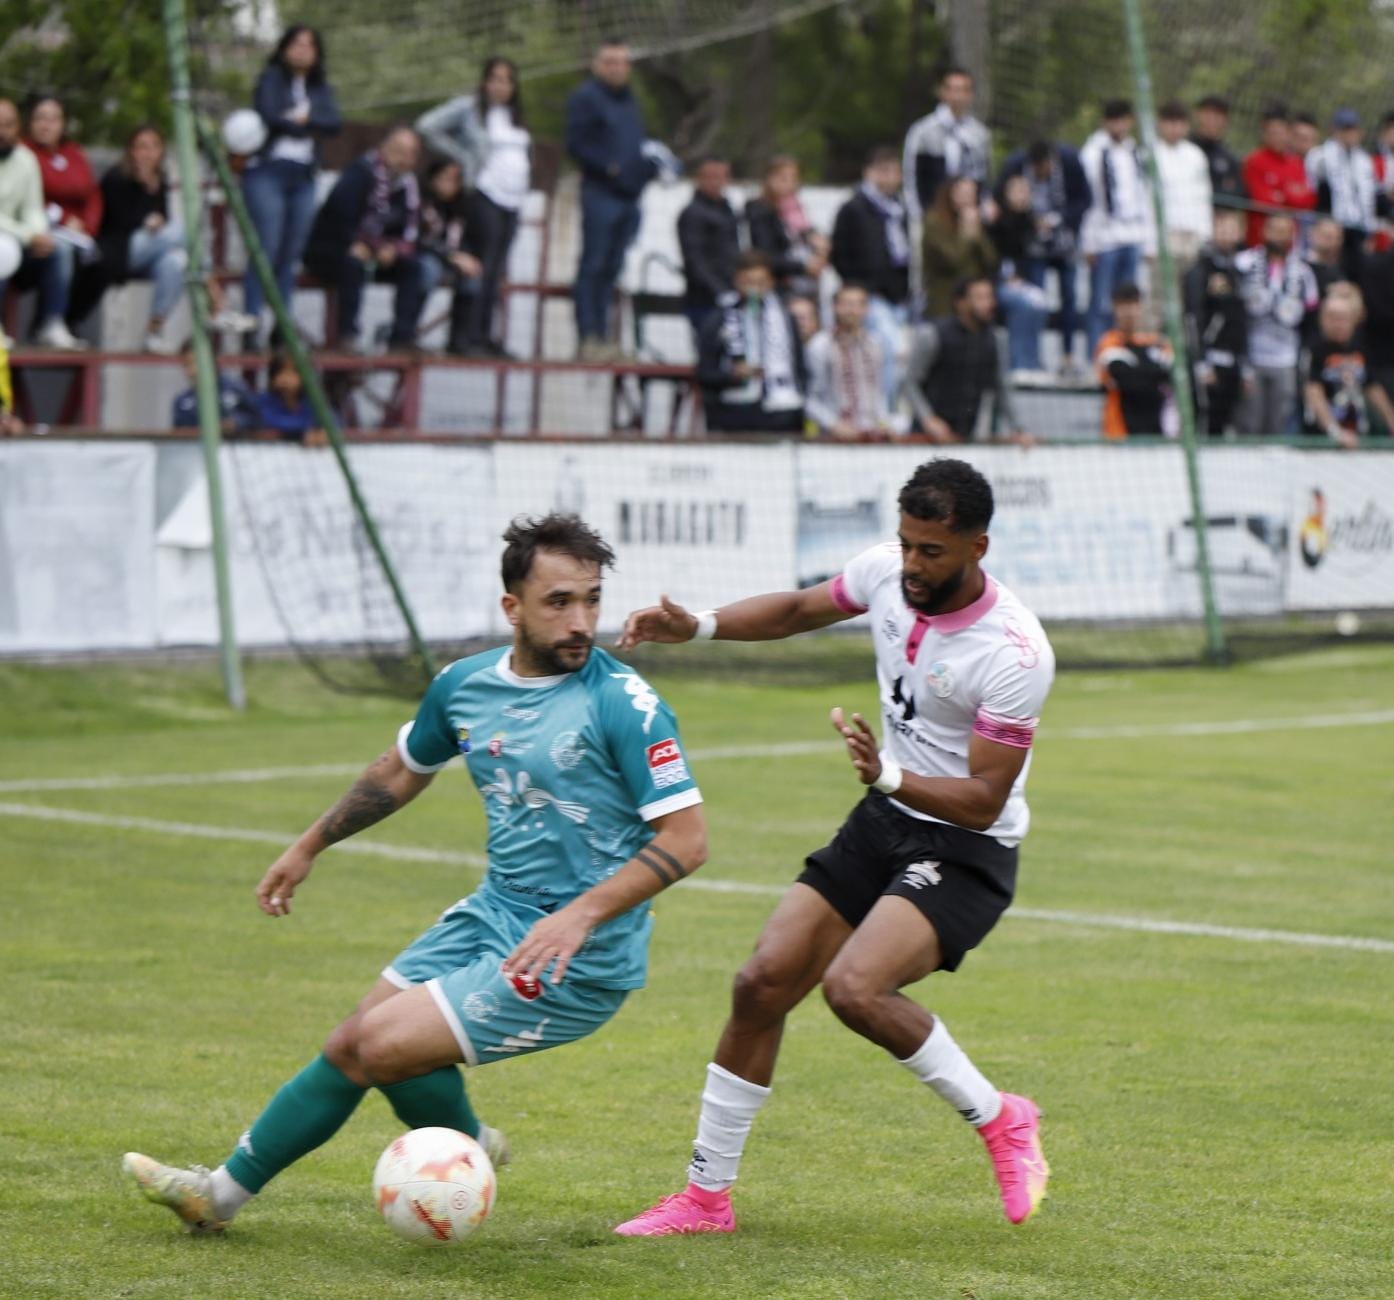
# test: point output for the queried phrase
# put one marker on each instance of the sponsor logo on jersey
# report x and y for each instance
(480, 1005)
(941, 678)
(567, 750)
(666, 763)
(520, 715)
(919, 874)
(641, 696)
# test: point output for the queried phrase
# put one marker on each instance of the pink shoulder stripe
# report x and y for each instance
(842, 598)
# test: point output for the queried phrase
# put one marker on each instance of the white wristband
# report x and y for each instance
(891, 776)
(706, 625)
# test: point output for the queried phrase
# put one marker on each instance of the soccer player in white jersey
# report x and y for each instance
(591, 810)
(926, 862)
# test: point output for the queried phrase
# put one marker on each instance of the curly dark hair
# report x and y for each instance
(565, 533)
(950, 492)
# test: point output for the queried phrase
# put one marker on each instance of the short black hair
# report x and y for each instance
(1040, 150)
(1127, 291)
(1277, 111)
(613, 41)
(1172, 111)
(950, 492)
(1116, 108)
(1387, 120)
(567, 534)
(1305, 119)
(753, 260)
(961, 287)
(880, 154)
(956, 70)
(1218, 102)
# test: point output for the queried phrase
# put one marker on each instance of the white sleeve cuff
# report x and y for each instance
(421, 769)
(673, 803)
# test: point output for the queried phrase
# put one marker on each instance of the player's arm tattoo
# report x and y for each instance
(366, 803)
(662, 863)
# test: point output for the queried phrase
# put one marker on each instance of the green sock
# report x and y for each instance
(307, 1111)
(434, 1100)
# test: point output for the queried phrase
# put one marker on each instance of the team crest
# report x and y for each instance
(462, 734)
(567, 751)
(941, 679)
(480, 1006)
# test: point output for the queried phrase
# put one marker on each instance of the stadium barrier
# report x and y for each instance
(105, 543)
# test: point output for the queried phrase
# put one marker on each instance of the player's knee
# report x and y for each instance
(851, 996)
(341, 1049)
(761, 990)
(382, 1053)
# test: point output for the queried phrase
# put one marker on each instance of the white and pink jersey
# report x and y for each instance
(984, 669)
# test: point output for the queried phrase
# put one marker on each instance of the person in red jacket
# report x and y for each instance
(73, 200)
(1274, 175)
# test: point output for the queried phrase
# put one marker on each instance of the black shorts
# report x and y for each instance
(960, 880)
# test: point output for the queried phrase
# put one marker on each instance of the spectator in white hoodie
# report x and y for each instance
(1186, 188)
(1118, 229)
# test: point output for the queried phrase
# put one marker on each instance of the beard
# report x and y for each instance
(558, 657)
(931, 598)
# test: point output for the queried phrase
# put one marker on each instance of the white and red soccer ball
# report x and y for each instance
(434, 1186)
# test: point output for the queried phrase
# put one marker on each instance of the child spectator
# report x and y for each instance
(1135, 370)
(237, 404)
(282, 409)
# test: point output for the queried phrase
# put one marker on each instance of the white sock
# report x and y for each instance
(729, 1107)
(229, 1195)
(940, 1062)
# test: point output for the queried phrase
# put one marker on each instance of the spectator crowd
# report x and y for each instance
(944, 284)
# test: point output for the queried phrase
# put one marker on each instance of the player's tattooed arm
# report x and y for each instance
(384, 787)
(677, 850)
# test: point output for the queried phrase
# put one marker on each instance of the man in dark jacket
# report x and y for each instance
(1060, 196)
(369, 226)
(605, 135)
(1208, 133)
(710, 238)
(1217, 323)
(750, 360)
(871, 247)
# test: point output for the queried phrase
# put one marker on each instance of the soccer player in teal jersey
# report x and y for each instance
(592, 811)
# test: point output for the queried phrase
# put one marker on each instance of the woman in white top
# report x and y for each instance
(298, 106)
(485, 133)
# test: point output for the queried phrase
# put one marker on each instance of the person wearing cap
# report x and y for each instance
(1208, 135)
(1274, 174)
(1343, 175)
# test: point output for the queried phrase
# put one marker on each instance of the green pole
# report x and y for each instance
(206, 381)
(1171, 305)
(314, 390)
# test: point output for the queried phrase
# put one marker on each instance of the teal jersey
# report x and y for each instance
(571, 769)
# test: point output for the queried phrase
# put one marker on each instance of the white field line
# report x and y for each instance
(412, 853)
(717, 753)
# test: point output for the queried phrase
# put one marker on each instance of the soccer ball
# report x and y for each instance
(434, 1186)
(244, 132)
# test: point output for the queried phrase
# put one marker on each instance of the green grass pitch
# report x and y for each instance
(1219, 1111)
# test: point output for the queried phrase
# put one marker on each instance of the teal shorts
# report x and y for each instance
(458, 960)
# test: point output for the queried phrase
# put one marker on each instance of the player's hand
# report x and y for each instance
(282, 877)
(862, 746)
(553, 941)
(667, 623)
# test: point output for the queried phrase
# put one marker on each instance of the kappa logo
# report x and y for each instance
(479, 1006)
(567, 750)
(666, 763)
(919, 874)
(523, 1042)
(641, 696)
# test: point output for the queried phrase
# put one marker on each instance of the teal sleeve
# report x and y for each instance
(642, 733)
(430, 740)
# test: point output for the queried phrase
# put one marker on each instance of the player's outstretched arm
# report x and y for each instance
(770, 617)
(974, 801)
(676, 851)
(386, 785)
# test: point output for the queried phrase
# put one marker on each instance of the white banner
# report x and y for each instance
(704, 523)
(77, 526)
(1341, 554)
